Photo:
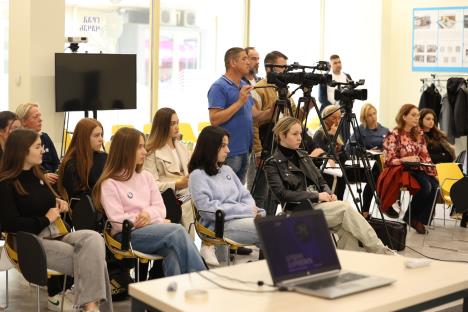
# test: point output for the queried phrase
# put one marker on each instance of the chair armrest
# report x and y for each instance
(127, 227)
(219, 222)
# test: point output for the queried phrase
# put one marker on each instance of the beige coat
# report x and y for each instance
(165, 170)
(162, 165)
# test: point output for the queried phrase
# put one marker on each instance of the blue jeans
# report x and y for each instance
(239, 165)
(173, 243)
(241, 231)
(421, 204)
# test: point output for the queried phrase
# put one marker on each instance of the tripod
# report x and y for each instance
(358, 157)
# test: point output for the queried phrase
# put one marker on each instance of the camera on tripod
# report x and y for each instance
(347, 91)
(301, 77)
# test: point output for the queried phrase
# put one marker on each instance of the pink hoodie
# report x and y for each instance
(126, 199)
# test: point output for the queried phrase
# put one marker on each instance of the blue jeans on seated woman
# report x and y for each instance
(173, 243)
(241, 231)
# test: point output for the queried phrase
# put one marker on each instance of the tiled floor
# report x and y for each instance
(441, 243)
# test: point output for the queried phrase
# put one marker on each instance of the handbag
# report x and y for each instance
(173, 206)
(396, 230)
(54, 230)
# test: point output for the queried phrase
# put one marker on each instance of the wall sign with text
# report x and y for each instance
(440, 39)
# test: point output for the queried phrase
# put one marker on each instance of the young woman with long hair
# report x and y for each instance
(8, 122)
(167, 160)
(293, 177)
(84, 160)
(214, 186)
(30, 204)
(437, 142)
(406, 144)
(126, 191)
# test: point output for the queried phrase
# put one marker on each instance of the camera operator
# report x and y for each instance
(230, 106)
(327, 93)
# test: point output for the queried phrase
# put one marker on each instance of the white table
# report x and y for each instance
(414, 290)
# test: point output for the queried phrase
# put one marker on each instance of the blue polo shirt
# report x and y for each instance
(222, 94)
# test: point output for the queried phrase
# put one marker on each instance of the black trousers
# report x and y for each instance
(421, 204)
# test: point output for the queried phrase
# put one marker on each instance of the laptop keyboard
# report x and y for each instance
(332, 281)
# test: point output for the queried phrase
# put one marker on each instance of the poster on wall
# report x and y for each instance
(440, 39)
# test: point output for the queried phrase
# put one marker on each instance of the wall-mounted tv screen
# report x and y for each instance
(85, 82)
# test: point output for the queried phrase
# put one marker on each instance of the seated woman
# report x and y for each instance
(214, 186)
(293, 177)
(30, 204)
(322, 139)
(371, 134)
(84, 160)
(8, 122)
(167, 160)
(31, 118)
(440, 150)
(126, 191)
(406, 144)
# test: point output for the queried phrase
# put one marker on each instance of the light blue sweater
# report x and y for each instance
(222, 191)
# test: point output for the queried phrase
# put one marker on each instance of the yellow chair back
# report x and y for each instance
(187, 132)
(115, 128)
(448, 174)
(203, 125)
(147, 128)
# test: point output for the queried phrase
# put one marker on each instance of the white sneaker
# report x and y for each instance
(54, 303)
(208, 253)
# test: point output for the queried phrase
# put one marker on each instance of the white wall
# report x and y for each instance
(399, 84)
(36, 34)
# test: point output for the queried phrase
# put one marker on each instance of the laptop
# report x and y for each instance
(301, 257)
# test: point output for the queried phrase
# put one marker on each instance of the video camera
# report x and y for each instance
(301, 77)
(347, 91)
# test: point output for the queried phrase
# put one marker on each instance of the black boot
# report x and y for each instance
(464, 219)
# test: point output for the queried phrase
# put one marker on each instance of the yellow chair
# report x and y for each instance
(116, 248)
(203, 125)
(67, 137)
(147, 129)
(448, 174)
(187, 133)
(314, 123)
(208, 237)
(115, 128)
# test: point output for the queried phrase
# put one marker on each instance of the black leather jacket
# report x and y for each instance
(289, 183)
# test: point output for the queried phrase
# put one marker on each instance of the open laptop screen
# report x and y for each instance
(297, 245)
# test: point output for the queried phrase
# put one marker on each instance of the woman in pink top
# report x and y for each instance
(125, 191)
(406, 144)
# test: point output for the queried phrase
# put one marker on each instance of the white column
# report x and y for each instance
(37, 31)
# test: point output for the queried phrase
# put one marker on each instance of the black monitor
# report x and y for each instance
(91, 82)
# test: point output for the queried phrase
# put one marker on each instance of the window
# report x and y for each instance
(194, 35)
(358, 45)
(118, 26)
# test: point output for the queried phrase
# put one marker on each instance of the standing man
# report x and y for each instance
(254, 60)
(230, 106)
(327, 93)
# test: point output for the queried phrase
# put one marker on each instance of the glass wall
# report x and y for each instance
(115, 27)
(194, 35)
(355, 41)
(4, 7)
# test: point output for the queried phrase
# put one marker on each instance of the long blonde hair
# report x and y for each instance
(364, 112)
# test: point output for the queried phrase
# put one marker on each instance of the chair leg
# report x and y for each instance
(5, 307)
(137, 270)
(228, 255)
(38, 299)
(63, 291)
(434, 203)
